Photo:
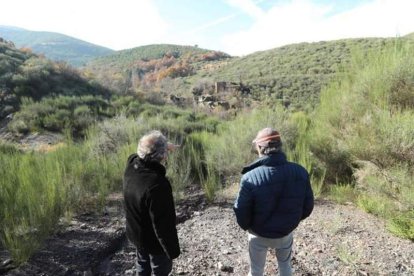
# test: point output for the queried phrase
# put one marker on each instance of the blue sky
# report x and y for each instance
(238, 27)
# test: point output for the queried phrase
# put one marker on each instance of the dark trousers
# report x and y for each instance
(159, 265)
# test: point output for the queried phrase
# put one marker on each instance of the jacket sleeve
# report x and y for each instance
(162, 213)
(308, 203)
(243, 207)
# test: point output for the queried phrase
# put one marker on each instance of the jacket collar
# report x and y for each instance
(140, 164)
(271, 160)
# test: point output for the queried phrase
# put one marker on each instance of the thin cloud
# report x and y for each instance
(299, 21)
(247, 6)
(210, 24)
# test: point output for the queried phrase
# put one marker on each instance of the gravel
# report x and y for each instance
(334, 240)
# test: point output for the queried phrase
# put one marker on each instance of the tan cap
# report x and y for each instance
(172, 147)
(265, 136)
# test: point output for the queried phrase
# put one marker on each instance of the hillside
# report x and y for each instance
(54, 46)
(292, 74)
(38, 93)
(410, 35)
(145, 68)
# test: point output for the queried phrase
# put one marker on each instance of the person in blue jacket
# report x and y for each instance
(274, 196)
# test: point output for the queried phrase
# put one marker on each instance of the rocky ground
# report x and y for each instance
(335, 240)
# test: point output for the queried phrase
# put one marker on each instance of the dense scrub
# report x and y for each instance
(38, 189)
(39, 94)
(292, 75)
(363, 134)
(151, 68)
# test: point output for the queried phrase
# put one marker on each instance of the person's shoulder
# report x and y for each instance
(253, 174)
(159, 184)
(131, 158)
(298, 168)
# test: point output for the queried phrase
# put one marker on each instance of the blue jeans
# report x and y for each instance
(258, 247)
(159, 265)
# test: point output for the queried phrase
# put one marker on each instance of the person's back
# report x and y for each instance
(275, 195)
(144, 183)
(280, 196)
(149, 207)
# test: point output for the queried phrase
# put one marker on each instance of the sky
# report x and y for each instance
(237, 27)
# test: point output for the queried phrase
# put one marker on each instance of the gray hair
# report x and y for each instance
(152, 146)
(272, 147)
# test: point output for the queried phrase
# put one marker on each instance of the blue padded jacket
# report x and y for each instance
(275, 195)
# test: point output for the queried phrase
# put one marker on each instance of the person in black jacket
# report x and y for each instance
(275, 195)
(149, 207)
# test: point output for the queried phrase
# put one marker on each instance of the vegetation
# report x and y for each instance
(151, 68)
(43, 95)
(146, 53)
(59, 114)
(362, 133)
(357, 144)
(37, 189)
(54, 46)
(292, 75)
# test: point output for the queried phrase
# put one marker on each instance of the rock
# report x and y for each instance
(224, 267)
(226, 252)
(7, 262)
(227, 268)
(88, 273)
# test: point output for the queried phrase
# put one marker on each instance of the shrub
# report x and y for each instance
(36, 189)
(362, 131)
(222, 154)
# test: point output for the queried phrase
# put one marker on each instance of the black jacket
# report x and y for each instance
(149, 206)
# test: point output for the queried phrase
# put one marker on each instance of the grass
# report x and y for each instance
(37, 189)
(342, 193)
(402, 225)
(362, 134)
(334, 225)
(346, 255)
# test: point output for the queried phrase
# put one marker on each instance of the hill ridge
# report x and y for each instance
(56, 46)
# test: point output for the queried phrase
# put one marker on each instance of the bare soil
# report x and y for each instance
(334, 240)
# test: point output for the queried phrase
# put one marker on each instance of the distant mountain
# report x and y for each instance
(54, 46)
(410, 35)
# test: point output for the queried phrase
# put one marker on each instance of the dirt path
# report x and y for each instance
(335, 240)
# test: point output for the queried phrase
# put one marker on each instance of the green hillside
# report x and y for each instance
(144, 68)
(147, 52)
(41, 94)
(54, 46)
(292, 74)
(410, 35)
